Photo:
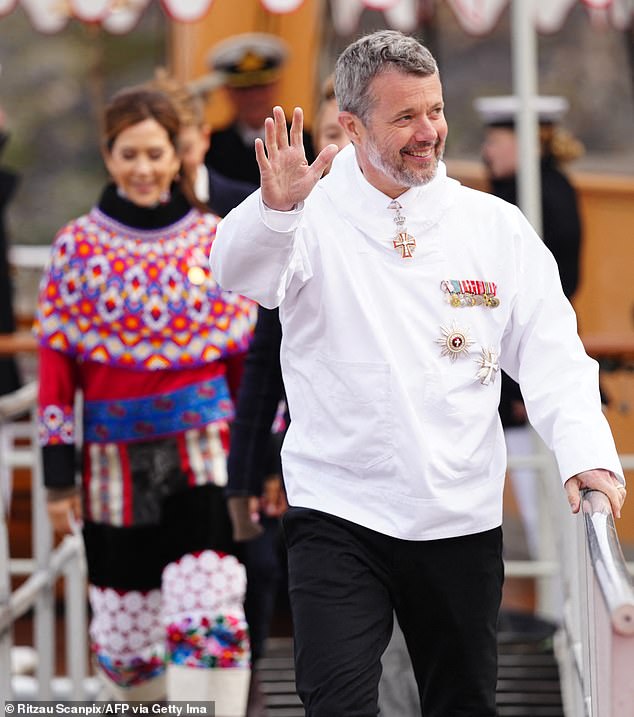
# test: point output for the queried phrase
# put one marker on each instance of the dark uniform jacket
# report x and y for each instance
(229, 155)
(562, 235)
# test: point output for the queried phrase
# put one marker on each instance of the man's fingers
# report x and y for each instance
(270, 138)
(260, 155)
(297, 128)
(281, 131)
(599, 480)
(618, 499)
(574, 494)
(324, 158)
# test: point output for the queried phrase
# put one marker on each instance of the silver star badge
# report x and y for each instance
(455, 342)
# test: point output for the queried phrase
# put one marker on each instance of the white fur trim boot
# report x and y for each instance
(208, 650)
(128, 643)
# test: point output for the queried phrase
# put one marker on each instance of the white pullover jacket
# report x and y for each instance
(389, 427)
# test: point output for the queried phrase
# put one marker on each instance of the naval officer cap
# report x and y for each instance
(248, 60)
(501, 111)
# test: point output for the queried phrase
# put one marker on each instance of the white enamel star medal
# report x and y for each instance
(454, 342)
(488, 366)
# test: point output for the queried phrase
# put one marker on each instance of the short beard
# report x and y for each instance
(403, 176)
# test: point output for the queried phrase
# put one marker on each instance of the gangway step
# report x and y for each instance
(528, 672)
(528, 679)
(521, 685)
(530, 711)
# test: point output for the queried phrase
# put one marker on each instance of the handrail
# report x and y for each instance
(19, 402)
(595, 645)
(46, 566)
(23, 598)
(608, 562)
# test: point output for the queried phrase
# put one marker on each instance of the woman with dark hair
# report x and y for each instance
(130, 316)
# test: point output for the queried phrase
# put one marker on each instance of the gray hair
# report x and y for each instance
(369, 57)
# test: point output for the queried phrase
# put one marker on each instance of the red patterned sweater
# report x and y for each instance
(129, 313)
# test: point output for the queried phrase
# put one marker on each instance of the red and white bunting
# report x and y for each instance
(477, 17)
(281, 6)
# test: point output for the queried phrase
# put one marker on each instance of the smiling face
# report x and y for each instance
(143, 162)
(404, 138)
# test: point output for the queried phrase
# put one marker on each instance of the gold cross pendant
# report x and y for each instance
(406, 244)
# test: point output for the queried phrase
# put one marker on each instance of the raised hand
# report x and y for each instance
(285, 175)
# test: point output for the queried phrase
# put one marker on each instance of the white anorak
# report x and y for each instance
(386, 431)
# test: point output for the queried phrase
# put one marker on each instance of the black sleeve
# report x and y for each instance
(562, 227)
(59, 464)
(309, 148)
(260, 393)
(226, 193)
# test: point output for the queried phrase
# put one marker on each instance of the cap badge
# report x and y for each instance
(251, 62)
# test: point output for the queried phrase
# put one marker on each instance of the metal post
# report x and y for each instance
(5, 591)
(524, 51)
(75, 617)
(44, 624)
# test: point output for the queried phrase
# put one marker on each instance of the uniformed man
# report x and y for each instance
(561, 232)
(10, 379)
(250, 66)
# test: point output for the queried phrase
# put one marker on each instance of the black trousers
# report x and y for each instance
(345, 581)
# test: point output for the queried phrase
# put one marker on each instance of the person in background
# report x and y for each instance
(221, 194)
(562, 231)
(562, 234)
(10, 379)
(326, 127)
(250, 66)
(401, 296)
(130, 315)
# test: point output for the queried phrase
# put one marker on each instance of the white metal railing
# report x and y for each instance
(596, 644)
(18, 448)
(29, 256)
(584, 585)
